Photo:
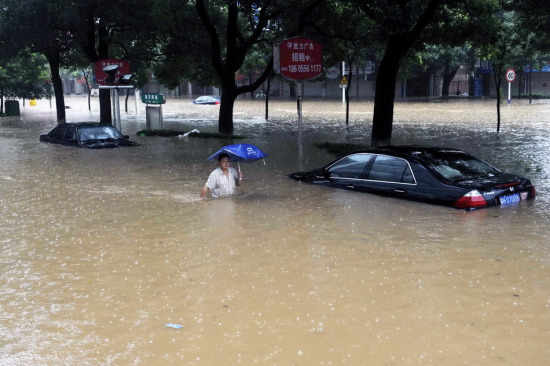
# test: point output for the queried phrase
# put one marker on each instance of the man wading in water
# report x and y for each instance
(223, 180)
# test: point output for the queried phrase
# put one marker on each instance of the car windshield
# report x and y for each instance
(459, 166)
(98, 133)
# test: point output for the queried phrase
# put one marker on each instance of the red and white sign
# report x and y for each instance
(300, 58)
(100, 75)
(510, 75)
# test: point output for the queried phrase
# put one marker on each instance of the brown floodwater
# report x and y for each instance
(101, 249)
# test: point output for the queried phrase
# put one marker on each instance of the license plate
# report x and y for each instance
(511, 198)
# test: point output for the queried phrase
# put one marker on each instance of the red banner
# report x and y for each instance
(100, 75)
(300, 58)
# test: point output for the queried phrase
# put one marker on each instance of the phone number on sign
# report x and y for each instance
(304, 68)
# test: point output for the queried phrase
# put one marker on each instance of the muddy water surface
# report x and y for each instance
(99, 250)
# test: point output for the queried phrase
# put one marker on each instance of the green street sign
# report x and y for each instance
(153, 98)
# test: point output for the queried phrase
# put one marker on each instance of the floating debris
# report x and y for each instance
(190, 132)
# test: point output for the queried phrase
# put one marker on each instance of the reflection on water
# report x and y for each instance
(101, 248)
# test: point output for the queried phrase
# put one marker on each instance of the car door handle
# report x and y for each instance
(350, 187)
(400, 191)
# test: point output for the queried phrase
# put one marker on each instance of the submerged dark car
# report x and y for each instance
(438, 175)
(91, 135)
(208, 99)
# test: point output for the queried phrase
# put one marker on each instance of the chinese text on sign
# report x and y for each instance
(300, 58)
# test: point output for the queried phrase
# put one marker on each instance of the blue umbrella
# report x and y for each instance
(238, 152)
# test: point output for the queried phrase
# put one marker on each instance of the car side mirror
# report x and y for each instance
(126, 137)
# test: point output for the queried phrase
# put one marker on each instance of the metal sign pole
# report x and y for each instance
(299, 95)
(136, 98)
(113, 104)
(343, 75)
(117, 111)
(510, 76)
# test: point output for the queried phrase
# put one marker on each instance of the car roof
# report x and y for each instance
(422, 153)
(410, 150)
(86, 124)
(421, 149)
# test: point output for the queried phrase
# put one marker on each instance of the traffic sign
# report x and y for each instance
(344, 81)
(101, 75)
(510, 75)
(300, 58)
(153, 98)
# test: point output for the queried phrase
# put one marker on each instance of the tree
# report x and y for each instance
(446, 61)
(346, 35)
(43, 35)
(24, 76)
(404, 25)
(499, 51)
(118, 29)
(240, 36)
(232, 36)
(533, 24)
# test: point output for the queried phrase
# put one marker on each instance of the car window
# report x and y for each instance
(60, 132)
(71, 133)
(391, 169)
(460, 166)
(350, 167)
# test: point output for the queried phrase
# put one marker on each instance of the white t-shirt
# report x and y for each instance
(220, 185)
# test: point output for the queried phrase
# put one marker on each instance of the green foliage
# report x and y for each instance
(184, 45)
(533, 16)
(25, 76)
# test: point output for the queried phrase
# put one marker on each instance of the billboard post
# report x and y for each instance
(298, 59)
(510, 76)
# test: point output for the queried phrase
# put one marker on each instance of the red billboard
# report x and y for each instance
(300, 58)
(100, 75)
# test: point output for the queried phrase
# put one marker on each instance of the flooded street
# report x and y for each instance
(100, 249)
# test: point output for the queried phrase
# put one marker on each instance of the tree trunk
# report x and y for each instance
(448, 76)
(225, 118)
(105, 114)
(225, 126)
(227, 63)
(386, 79)
(397, 47)
(105, 106)
(54, 61)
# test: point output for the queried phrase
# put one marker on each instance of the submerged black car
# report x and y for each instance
(432, 174)
(91, 135)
